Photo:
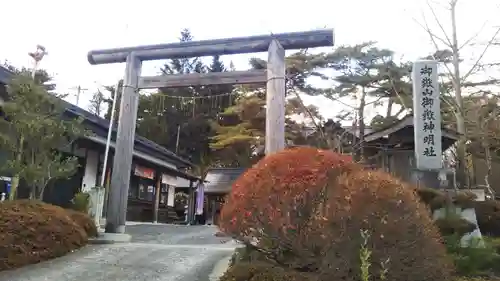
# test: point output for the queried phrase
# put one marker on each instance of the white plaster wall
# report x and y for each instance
(91, 165)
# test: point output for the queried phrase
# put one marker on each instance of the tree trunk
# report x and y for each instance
(14, 184)
(389, 108)
(40, 191)
(488, 160)
(399, 112)
(487, 150)
(360, 152)
(355, 139)
(15, 178)
(32, 193)
(457, 87)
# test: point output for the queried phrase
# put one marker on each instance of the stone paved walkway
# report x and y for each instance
(156, 253)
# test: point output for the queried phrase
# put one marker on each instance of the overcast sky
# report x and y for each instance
(69, 29)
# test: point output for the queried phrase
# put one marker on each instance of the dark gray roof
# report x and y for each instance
(5, 75)
(350, 129)
(407, 121)
(100, 127)
(219, 180)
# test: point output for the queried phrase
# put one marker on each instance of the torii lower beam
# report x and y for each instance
(134, 56)
(203, 79)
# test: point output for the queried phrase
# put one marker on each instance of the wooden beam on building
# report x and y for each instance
(228, 46)
(203, 79)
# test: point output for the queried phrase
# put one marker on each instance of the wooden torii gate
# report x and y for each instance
(274, 76)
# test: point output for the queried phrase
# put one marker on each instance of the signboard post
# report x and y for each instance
(427, 121)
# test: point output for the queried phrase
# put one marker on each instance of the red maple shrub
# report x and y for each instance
(305, 209)
(274, 200)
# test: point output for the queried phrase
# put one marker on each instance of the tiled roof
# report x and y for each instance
(100, 127)
(218, 180)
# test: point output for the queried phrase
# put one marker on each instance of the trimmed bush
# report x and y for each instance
(465, 199)
(84, 221)
(249, 254)
(32, 231)
(305, 208)
(258, 271)
(493, 242)
(280, 274)
(488, 217)
(478, 278)
(473, 260)
(244, 271)
(81, 202)
(274, 200)
(454, 225)
(437, 199)
(400, 228)
(427, 195)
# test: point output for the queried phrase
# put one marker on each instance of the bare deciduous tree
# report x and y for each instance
(448, 42)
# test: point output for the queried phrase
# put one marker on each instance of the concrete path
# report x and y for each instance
(157, 253)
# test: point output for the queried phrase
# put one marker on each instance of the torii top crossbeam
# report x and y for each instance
(229, 46)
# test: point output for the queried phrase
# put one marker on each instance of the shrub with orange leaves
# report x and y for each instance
(275, 200)
(400, 228)
(305, 209)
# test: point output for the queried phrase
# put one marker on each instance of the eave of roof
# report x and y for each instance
(406, 121)
(220, 180)
(104, 124)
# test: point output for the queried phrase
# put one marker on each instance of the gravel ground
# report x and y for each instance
(156, 253)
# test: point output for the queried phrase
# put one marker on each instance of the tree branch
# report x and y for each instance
(375, 101)
(436, 46)
(312, 118)
(467, 42)
(432, 34)
(482, 54)
(448, 41)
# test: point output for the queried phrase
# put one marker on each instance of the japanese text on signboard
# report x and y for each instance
(426, 115)
(428, 118)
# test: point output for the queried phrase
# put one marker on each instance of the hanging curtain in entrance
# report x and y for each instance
(170, 182)
(171, 196)
(199, 198)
